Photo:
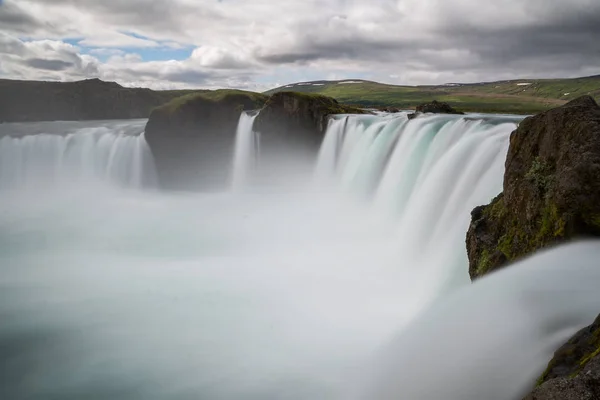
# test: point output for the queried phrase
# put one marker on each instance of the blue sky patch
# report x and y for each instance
(163, 52)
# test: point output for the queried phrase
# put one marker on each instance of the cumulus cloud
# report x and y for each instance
(260, 43)
(43, 59)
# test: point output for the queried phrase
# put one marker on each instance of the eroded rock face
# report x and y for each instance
(435, 107)
(193, 138)
(574, 355)
(584, 385)
(297, 120)
(551, 188)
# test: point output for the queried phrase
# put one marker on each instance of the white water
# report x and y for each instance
(98, 153)
(353, 286)
(246, 151)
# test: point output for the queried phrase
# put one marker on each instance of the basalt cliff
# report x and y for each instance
(192, 138)
(551, 195)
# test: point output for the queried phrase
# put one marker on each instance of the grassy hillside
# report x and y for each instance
(22, 101)
(519, 96)
(214, 96)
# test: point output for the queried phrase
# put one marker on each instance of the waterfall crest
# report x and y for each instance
(246, 150)
(427, 173)
(99, 154)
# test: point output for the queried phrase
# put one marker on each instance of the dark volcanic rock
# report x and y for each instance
(551, 188)
(435, 107)
(91, 99)
(389, 109)
(582, 384)
(297, 120)
(192, 138)
(570, 359)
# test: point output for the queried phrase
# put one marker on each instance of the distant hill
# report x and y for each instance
(522, 96)
(71, 101)
(95, 99)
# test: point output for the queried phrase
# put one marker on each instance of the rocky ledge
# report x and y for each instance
(574, 372)
(435, 107)
(297, 120)
(551, 188)
(551, 194)
(192, 138)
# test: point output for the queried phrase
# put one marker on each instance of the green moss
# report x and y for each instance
(484, 264)
(588, 357)
(215, 96)
(552, 225)
(518, 238)
(593, 220)
(541, 175)
(496, 209)
(570, 351)
(505, 245)
(328, 105)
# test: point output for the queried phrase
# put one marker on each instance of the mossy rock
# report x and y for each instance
(298, 118)
(574, 371)
(434, 107)
(192, 137)
(221, 98)
(573, 356)
(551, 188)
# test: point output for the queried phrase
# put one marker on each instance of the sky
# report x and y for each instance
(261, 44)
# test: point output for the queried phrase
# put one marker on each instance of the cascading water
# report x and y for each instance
(354, 286)
(428, 174)
(102, 153)
(246, 150)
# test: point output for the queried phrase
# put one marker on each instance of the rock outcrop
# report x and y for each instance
(297, 120)
(91, 99)
(192, 138)
(435, 107)
(551, 188)
(574, 372)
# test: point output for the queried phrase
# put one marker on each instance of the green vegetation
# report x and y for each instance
(221, 95)
(594, 221)
(494, 97)
(483, 266)
(328, 104)
(521, 238)
(541, 175)
(575, 355)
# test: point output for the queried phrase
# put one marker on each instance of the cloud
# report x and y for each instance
(51, 65)
(220, 58)
(44, 59)
(261, 43)
(15, 19)
(107, 52)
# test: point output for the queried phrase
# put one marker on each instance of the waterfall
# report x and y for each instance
(427, 173)
(99, 154)
(351, 286)
(246, 150)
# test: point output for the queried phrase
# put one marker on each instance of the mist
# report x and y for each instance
(341, 279)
